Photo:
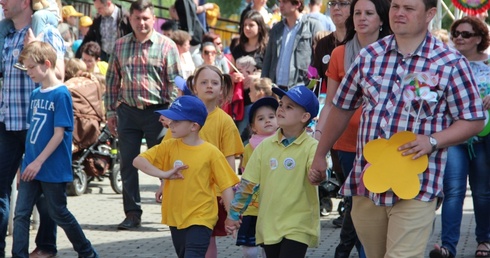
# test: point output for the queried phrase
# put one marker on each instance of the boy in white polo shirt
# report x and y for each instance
(288, 220)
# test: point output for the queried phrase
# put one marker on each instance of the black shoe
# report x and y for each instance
(338, 221)
(130, 222)
(20, 66)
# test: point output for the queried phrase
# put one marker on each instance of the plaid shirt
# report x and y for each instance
(142, 74)
(108, 31)
(17, 85)
(375, 81)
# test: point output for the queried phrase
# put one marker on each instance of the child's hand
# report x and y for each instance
(175, 173)
(29, 37)
(158, 193)
(232, 226)
(31, 171)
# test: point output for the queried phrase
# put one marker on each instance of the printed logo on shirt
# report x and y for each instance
(273, 163)
(178, 163)
(289, 163)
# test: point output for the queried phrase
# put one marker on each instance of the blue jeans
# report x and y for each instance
(459, 166)
(11, 151)
(348, 235)
(55, 198)
(191, 242)
(134, 124)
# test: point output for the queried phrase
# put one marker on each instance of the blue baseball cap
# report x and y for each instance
(186, 108)
(181, 83)
(303, 97)
(262, 102)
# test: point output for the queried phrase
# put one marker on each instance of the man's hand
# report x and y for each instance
(420, 147)
(486, 102)
(112, 124)
(318, 169)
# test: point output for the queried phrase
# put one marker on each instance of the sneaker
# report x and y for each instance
(130, 222)
(38, 253)
(20, 66)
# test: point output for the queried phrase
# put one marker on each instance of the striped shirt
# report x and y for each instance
(142, 73)
(17, 85)
(376, 81)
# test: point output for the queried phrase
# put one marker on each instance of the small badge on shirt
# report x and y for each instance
(289, 163)
(326, 59)
(16, 53)
(273, 163)
(178, 163)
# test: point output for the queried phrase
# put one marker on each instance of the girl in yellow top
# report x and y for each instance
(210, 85)
(189, 206)
(263, 122)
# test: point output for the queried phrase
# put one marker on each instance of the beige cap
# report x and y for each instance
(86, 21)
(69, 10)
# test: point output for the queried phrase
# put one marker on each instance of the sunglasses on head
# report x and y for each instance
(464, 34)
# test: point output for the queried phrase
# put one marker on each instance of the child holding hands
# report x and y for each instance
(189, 205)
(263, 123)
(287, 224)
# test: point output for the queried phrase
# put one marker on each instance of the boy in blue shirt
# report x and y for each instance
(47, 163)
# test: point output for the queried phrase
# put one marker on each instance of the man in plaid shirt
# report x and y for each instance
(140, 80)
(386, 225)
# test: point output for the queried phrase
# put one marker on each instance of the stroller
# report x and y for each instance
(94, 150)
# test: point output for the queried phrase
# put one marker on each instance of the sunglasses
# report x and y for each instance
(339, 4)
(464, 34)
(209, 52)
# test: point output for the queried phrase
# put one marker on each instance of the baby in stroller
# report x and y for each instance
(94, 149)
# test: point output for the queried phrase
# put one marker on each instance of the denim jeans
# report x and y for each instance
(12, 144)
(348, 235)
(47, 231)
(458, 167)
(134, 124)
(55, 197)
(191, 242)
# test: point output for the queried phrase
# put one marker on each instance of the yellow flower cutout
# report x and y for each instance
(388, 168)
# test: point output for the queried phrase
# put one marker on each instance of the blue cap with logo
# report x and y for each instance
(301, 96)
(186, 108)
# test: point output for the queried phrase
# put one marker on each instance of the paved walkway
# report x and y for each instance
(100, 210)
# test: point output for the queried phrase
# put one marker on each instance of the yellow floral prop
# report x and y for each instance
(388, 168)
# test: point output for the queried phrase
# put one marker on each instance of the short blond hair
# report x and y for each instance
(40, 52)
(74, 67)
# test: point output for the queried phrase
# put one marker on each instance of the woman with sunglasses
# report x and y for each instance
(470, 38)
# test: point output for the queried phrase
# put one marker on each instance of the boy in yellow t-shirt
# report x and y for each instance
(288, 221)
(189, 204)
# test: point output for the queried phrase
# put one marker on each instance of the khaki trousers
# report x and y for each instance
(399, 231)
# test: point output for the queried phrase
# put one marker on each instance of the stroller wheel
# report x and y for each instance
(79, 184)
(116, 180)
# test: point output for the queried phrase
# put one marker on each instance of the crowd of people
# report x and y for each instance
(202, 108)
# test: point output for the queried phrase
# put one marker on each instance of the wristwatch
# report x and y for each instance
(433, 143)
